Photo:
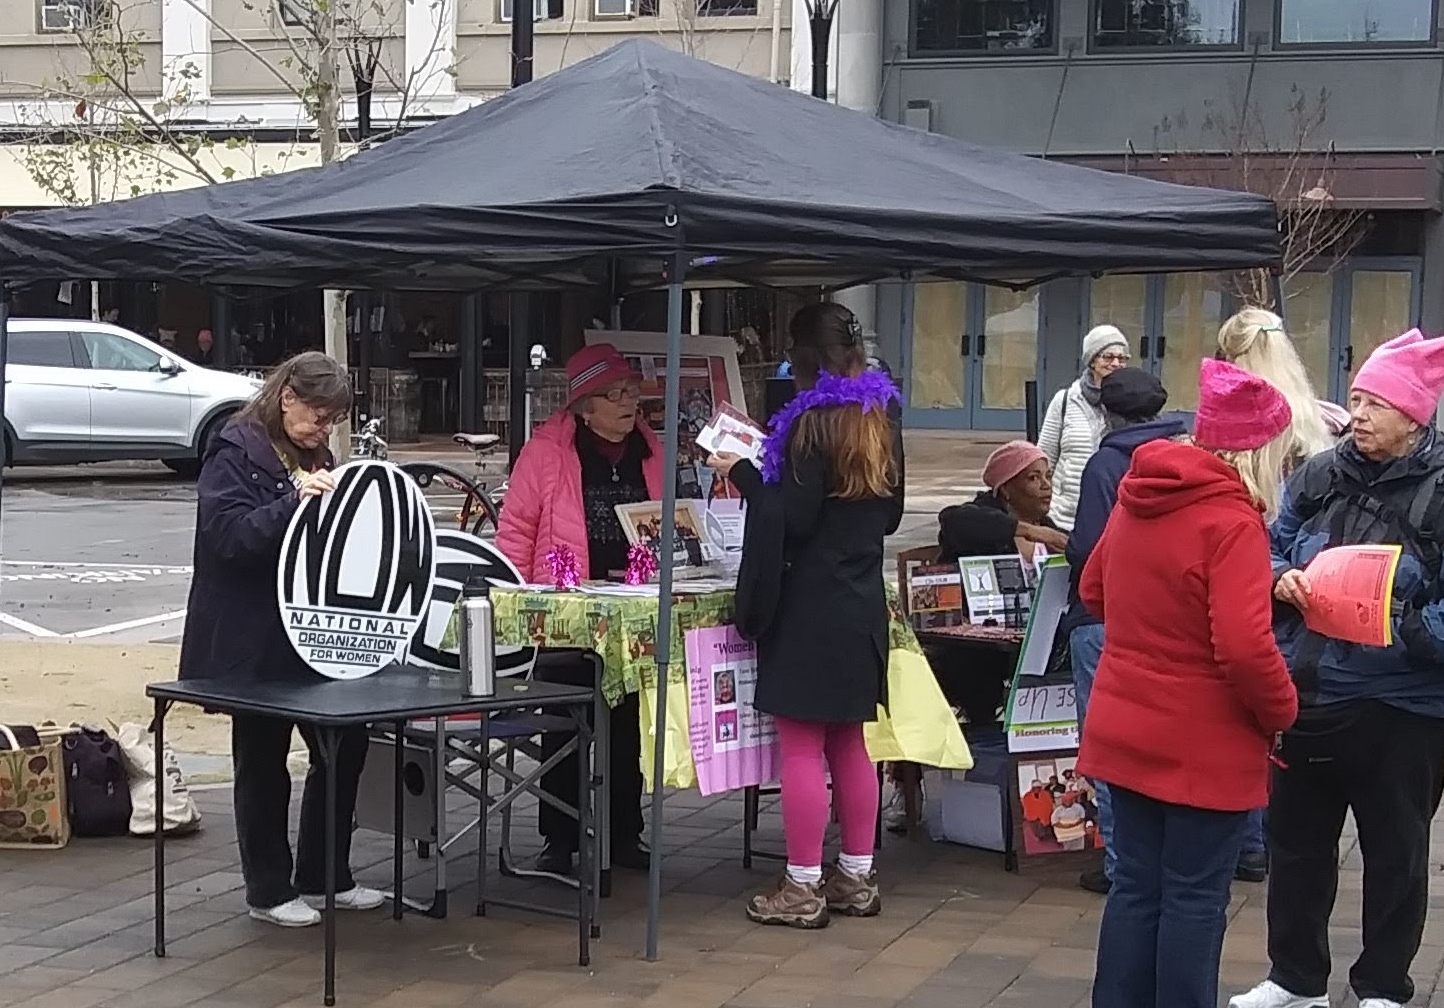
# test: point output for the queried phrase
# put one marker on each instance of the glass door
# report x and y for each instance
(1382, 301)
(938, 352)
(1005, 355)
(1171, 321)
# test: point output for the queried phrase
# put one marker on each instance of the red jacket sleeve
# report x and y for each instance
(1090, 585)
(1240, 612)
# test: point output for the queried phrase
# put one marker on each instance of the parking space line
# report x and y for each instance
(127, 625)
(24, 625)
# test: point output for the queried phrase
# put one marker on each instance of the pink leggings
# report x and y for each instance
(805, 745)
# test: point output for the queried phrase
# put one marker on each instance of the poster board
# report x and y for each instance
(1042, 712)
(733, 744)
(709, 377)
(997, 590)
(357, 571)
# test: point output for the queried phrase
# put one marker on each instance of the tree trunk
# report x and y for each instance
(328, 138)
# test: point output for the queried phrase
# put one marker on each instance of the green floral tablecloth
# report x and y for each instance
(623, 629)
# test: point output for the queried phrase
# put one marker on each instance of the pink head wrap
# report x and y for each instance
(1008, 461)
(1407, 373)
(1237, 410)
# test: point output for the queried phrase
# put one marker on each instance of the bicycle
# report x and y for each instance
(367, 443)
(479, 511)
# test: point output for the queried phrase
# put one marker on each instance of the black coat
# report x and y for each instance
(245, 500)
(810, 592)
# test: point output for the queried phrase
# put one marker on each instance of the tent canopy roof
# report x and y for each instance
(636, 154)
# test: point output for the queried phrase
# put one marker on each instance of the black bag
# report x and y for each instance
(97, 789)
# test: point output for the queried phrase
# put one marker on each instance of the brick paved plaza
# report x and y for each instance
(956, 932)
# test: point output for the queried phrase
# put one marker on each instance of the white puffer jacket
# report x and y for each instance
(1072, 428)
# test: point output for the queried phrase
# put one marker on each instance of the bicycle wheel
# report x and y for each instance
(488, 518)
(453, 498)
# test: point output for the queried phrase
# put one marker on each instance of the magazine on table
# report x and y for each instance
(935, 596)
(997, 590)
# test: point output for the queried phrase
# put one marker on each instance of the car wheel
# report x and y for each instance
(190, 468)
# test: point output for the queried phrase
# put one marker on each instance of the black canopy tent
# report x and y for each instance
(673, 171)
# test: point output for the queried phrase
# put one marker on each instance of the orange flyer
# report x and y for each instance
(1351, 594)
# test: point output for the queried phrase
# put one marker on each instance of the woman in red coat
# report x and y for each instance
(1190, 691)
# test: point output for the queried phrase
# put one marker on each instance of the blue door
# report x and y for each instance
(968, 350)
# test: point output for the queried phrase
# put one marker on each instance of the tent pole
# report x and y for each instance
(4, 356)
(676, 297)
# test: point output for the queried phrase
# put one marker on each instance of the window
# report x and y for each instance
(70, 15)
(728, 8)
(983, 26)
(1358, 22)
(1132, 24)
(41, 349)
(293, 12)
(542, 10)
(108, 352)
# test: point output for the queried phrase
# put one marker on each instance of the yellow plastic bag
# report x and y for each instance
(680, 771)
(918, 726)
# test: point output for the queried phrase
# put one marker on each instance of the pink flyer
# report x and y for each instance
(733, 745)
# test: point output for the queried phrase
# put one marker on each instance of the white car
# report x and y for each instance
(78, 391)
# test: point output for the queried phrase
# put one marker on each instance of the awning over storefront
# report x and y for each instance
(637, 153)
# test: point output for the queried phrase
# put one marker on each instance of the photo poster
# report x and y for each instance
(935, 596)
(709, 377)
(692, 546)
(1059, 806)
(734, 745)
(997, 590)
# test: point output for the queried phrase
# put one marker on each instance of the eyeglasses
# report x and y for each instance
(621, 393)
(1115, 358)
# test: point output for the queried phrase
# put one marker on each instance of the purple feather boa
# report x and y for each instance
(870, 390)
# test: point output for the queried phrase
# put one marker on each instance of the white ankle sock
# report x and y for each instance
(856, 865)
(804, 875)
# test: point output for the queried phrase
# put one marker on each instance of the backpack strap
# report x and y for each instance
(1425, 509)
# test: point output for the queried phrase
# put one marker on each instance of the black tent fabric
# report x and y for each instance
(640, 152)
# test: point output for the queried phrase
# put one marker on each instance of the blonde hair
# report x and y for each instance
(1262, 472)
(1255, 340)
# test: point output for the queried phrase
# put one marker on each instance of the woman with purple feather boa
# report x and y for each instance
(810, 593)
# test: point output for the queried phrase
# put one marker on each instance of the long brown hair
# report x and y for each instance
(318, 381)
(857, 443)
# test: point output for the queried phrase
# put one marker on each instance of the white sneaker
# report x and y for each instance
(1380, 1003)
(1270, 995)
(293, 913)
(355, 898)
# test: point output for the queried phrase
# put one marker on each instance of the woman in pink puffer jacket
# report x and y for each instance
(546, 499)
(591, 456)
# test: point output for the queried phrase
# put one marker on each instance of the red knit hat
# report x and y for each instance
(1237, 410)
(592, 368)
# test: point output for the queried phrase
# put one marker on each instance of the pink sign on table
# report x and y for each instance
(733, 744)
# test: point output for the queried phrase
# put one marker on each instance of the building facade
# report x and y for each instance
(1182, 90)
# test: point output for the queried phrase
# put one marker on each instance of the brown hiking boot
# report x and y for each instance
(850, 895)
(790, 904)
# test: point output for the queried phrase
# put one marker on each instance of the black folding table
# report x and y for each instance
(392, 696)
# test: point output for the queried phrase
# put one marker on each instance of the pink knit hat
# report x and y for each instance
(1237, 410)
(1008, 461)
(593, 368)
(1407, 373)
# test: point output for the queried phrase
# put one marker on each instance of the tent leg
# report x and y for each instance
(675, 301)
(4, 356)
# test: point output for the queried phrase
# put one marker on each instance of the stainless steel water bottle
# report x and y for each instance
(478, 639)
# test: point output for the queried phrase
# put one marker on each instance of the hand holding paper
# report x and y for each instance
(1352, 594)
(729, 432)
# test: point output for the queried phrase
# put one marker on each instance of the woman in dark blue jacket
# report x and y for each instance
(254, 475)
(1370, 733)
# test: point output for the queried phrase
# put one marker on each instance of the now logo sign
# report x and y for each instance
(356, 571)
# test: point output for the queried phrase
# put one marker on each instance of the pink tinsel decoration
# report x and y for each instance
(641, 564)
(563, 564)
